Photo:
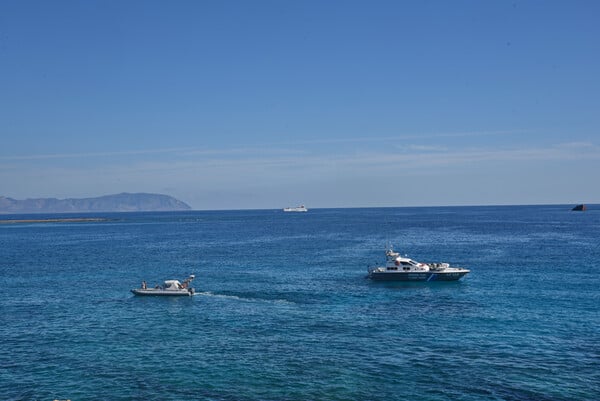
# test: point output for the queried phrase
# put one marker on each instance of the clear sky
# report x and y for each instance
(266, 104)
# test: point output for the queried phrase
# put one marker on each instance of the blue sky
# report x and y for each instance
(266, 104)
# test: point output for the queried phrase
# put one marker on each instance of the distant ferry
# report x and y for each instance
(300, 208)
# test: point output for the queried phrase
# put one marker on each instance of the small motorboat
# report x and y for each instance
(398, 268)
(170, 288)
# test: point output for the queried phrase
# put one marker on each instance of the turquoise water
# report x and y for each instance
(284, 312)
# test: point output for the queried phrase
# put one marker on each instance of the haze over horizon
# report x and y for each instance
(261, 105)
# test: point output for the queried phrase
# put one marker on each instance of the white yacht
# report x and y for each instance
(398, 268)
(171, 288)
(300, 208)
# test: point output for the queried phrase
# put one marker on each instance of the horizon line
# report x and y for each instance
(312, 208)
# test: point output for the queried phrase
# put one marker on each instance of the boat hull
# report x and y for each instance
(418, 276)
(153, 292)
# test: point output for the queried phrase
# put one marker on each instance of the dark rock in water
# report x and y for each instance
(124, 202)
(579, 208)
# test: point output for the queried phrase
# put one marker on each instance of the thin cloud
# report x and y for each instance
(314, 165)
(279, 166)
(280, 148)
(254, 171)
(411, 136)
(140, 152)
(92, 154)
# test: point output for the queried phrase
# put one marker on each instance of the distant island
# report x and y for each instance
(124, 202)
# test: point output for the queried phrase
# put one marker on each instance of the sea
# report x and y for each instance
(283, 309)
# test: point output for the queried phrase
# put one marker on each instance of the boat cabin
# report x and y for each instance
(396, 262)
(172, 285)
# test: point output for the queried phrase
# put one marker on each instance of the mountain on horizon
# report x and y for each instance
(123, 202)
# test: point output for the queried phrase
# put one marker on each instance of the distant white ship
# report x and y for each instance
(300, 208)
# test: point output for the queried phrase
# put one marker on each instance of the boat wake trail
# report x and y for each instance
(243, 299)
(211, 294)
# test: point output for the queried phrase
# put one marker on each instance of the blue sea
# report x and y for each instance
(283, 310)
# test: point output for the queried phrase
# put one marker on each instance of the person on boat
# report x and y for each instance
(144, 286)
